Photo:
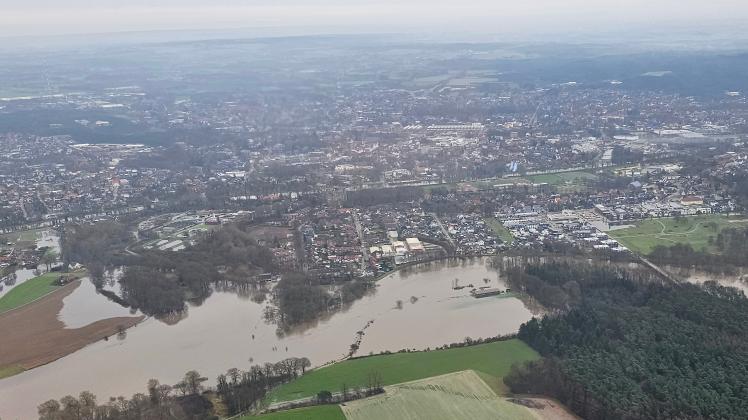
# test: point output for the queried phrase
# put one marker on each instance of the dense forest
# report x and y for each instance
(732, 252)
(93, 245)
(628, 348)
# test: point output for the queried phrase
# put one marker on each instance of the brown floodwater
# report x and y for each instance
(228, 330)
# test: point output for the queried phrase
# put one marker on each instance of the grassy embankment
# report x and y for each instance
(695, 231)
(31, 290)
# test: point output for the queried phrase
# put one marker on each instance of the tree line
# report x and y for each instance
(244, 390)
(185, 400)
(236, 391)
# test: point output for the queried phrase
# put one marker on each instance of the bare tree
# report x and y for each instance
(344, 391)
(373, 382)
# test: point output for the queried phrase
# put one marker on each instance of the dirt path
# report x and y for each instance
(33, 336)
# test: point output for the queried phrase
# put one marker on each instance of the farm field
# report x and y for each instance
(695, 231)
(454, 396)
(31, 290)
(494, 359)
(319, 412)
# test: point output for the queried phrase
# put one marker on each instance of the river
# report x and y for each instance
(228, 331)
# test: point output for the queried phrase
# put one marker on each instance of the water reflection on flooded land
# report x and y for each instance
(85, 306)
(417, 307)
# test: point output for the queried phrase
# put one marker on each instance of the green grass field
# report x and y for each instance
(499, 229)
(694, 231)
(320, 412)
(494, 359)
(30, 290)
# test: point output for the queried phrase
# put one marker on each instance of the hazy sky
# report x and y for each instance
(44, 17)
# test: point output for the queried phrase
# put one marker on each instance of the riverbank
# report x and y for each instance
(33, 336)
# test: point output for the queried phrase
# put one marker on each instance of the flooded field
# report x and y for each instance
(737, 280)
(417, 307)
(85, 306)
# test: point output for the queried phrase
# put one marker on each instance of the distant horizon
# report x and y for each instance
(699, 37)
(40, 18)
